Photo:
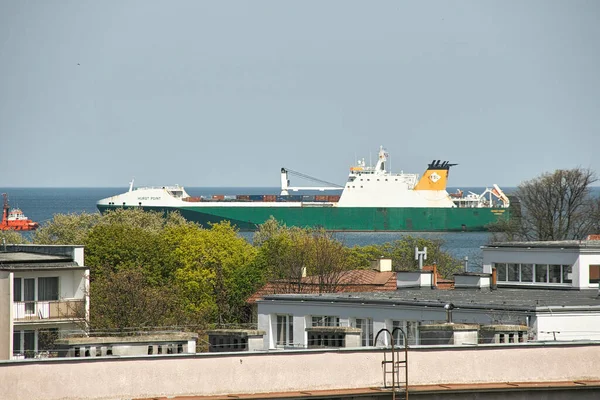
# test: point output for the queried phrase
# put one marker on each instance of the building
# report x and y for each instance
(379, 278)
(43, 295)
(526, 302)
(573, 264)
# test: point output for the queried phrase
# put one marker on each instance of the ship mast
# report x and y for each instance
(5, 209)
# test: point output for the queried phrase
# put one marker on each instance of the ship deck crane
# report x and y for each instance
(286, 188)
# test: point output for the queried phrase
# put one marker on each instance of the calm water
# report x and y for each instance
(40, 204)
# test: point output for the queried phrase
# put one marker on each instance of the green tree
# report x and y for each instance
(117, 246)
(12, 237)
(66, 229)
(125, 300)
(210, 265)
(402, 253)
(553, 206)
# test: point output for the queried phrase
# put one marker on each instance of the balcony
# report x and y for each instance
(48, 310)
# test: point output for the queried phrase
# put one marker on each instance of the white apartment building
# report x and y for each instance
(43, 294)
(551, 288)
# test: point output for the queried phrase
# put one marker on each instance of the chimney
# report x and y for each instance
(382, 264)
(495, 279)
(435, 275)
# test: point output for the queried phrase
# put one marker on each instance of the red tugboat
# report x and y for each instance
(14, 219)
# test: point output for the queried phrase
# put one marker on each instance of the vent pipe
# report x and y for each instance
(449, 307)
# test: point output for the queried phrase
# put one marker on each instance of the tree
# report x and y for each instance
(125, 300)
(11, 237)
(330, 261)
(66, 229)
(74, 228)
(215, 270)
(402, 253)
(553, 206)
(116, 246)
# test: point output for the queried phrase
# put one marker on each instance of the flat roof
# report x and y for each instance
(556, 244)
(502, 299)
(25, 261)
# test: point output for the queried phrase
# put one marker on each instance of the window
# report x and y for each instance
(410, 330)
(366, 327)
(594, 273)
(285, 330)
(324, 320)
(29, 344)
(526, 272)
(501, 271)
(47, 289)
(566, 273)
(541, 273)
(17, 293)
(554, 273)
(534, 273)
(513, 272)
(29, 295)
(17, 343)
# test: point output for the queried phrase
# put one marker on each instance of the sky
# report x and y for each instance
(225, 93)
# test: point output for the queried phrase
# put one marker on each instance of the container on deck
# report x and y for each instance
(256, 197)
(333, 198)
(320, 197)
(192, 199)
(243, 197)
(269, 197)
(308, 197)
(218, 197)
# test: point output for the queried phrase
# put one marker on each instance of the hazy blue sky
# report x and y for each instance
(224, 93)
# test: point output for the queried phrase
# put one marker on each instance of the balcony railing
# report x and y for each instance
(48, 310)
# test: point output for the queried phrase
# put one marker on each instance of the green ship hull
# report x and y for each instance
(359, 219)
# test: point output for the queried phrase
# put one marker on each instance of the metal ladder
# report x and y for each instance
(392, 365)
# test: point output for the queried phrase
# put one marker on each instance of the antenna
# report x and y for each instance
(421, 255)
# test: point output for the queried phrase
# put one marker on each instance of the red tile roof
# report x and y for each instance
(350, 281)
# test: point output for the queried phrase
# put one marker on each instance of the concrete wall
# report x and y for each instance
(6, 315)
(229, 373)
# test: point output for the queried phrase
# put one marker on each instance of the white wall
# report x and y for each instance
(237, 373)
(585, 260)
(71, 283)
(574, 326)
(580, 259)
(380, 313)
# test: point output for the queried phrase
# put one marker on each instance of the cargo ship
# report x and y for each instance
(14, 219)
(372, 199)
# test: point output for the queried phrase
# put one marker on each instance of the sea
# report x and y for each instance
(41, 204)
